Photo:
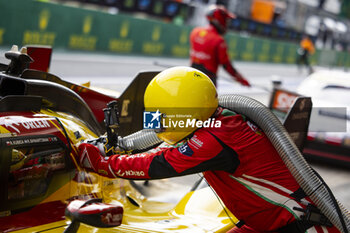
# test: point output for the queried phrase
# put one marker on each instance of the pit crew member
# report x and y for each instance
(208, 47)
(236, 157)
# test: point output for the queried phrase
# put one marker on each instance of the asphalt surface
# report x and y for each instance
(116, 72)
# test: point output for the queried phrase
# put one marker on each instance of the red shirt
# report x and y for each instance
(208, 48)
(238, 161)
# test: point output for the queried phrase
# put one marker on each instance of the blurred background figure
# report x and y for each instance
(208, 47)
(306, 48)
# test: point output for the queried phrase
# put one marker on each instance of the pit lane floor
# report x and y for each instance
(116, 72)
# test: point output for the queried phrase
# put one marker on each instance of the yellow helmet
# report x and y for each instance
(184, 96)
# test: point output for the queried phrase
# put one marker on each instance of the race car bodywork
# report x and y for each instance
(328, 138)
(42, 121)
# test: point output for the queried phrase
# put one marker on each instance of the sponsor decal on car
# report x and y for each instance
(19, 124)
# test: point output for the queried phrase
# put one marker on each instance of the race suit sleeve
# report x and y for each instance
(202, 152)
(225, 61)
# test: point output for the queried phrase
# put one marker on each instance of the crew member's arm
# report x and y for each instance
(225, 61)
(201, 153)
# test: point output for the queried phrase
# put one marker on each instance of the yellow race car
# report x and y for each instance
(43, 119)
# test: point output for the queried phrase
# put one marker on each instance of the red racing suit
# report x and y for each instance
(208, 51)
(237, 160)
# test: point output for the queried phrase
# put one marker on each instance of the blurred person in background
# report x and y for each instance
(306, 48)
(208, 47)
